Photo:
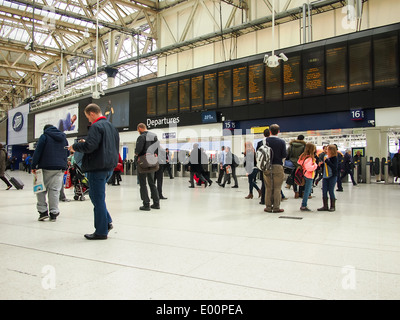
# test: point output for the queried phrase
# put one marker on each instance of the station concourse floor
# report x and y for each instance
(204, 244)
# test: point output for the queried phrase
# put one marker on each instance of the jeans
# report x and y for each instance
(52, 180)
(328, 186)
(97, 194)
(307, 191)
(252, 181)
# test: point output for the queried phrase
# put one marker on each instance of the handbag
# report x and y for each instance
(148, 163)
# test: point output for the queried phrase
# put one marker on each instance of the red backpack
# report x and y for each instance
(299, 176)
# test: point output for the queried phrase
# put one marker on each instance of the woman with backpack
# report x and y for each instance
(308, 163)
(330, 174)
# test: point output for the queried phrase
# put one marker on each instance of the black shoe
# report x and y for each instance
(110, 226)
(43, 216)
(9, 187)
(235, 187)
(191, 186)
(163, 198)
(155, 206)
(94, 236)
(53, 216)
(339, 190)
(145, 208)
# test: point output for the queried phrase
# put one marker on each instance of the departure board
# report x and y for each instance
(239, 86)
(386, 62)
(210, 90)
(225, 88)
(184, 95)
(292, 78)
(173, 97)
(256, 83)
(197, 93)
(360, 66)
(313, 73)
(151, 101)
(162, 99)
(273, 83)
(336, 69)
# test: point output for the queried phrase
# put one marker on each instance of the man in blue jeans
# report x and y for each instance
(101, 154)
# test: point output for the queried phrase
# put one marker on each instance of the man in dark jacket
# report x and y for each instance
(51, 156)
(147, 142)
(101, 155)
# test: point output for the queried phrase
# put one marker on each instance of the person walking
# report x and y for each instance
(51, 156)
(348, 167)
(100, 156)
(147, 143)
(251, 169)
(3, 164)
(295, 149)
(274, 177)
(330, 174)
(308, 162)
(196, 166)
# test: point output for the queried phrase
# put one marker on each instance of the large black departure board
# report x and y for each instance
(151, 101)
(273, 83)
(173, 97)
(210, 90)
(292, 77)
(386, 62)
(225, 88)
(313, 72)
(197, 92)
(239, 86)
(360, 73)
(184, 95)
(256, 83)
(162, 99)
(336, 69)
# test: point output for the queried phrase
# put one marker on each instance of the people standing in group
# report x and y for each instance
(308, 163)
(51, 156)
(348, 167)
(3, 164)
(147, 143)
(295, 149)
(267, 133)
(230, 165)
(274, 177)
(197, 160)
(330, 174)
(100, 156)
(250, 166)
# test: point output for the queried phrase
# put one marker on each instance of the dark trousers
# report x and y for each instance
(143, 188)
(159, 177)
(5, 181)
(351, 173)
(328, 187)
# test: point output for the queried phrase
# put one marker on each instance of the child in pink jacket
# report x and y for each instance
(307, 161)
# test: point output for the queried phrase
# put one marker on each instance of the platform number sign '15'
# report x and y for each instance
(357, 114)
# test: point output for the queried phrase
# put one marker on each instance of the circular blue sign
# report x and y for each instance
(18, 121)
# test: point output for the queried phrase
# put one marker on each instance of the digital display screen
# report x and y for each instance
(184, 95)
(313, 73)
(151, 101)
(225, 88)
(256, 83)
(360, 66)
(173, 97)
(210, 90)
(386, 61)
(197, 93)
(292, 78)
(273, 83)
(162, 99)
(239, 92)
(115, 108)
(336, 69)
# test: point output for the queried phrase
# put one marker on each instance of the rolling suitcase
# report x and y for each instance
(16, 182)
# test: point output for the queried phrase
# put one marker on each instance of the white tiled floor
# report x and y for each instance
(203, 244)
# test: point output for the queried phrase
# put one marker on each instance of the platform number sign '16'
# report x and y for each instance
(357, 114)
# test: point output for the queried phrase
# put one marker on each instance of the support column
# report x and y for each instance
(377, 143)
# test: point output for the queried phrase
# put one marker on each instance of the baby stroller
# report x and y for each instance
(79, 180)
